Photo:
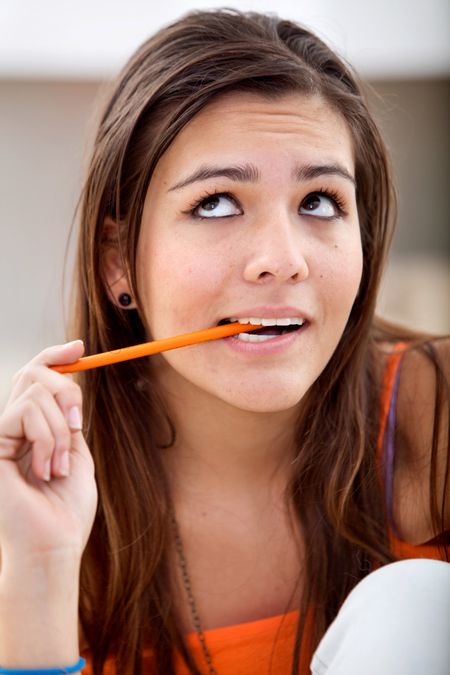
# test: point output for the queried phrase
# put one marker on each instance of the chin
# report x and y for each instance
(261, 402)
(268, 409)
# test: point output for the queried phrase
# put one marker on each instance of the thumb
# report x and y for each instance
(60, 354)
(81, 452)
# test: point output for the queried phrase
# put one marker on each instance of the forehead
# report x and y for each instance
(239, 122)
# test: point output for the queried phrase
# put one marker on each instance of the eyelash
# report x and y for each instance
(329, 193)
(198, 202)
(334, 196)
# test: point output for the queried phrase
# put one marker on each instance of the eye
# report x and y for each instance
(321, 205)
(220, 205)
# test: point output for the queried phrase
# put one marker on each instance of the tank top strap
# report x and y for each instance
(385, 444)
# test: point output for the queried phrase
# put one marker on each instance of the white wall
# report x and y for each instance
(43, 127)
(90, 39)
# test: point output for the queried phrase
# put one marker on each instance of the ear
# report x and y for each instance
(113, 266)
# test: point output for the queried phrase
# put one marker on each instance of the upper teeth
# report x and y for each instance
(269, 322)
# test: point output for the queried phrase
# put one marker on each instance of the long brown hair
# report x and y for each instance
(126, 593)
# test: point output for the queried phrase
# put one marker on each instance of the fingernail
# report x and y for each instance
(73, 342)
(74, 418)
(64, 464)
(46, 472)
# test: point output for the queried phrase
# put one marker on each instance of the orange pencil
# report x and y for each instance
(155, 347)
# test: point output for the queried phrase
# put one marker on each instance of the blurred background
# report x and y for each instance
(55, 55)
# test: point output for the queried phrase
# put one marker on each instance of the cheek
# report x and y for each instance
(180, 283)
(340, 275)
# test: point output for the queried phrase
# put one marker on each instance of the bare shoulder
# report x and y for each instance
(422, 424)
(419, 376)
(425, 376)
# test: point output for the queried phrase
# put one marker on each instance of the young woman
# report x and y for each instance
(245, 485)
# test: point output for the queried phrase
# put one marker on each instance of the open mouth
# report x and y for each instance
(270, 328)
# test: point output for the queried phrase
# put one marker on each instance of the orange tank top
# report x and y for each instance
(265, 647)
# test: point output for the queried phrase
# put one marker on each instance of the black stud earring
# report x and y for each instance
(125, 299)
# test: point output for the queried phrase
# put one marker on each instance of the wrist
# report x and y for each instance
(39, 611)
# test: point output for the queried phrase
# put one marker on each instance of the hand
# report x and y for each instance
(48, 493)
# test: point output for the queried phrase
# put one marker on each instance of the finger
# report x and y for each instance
(60, 354)
(59, 428)
(60, 423)
(66, 392)
(34, 369)
(25, 425)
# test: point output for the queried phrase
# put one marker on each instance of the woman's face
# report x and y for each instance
(251, 212)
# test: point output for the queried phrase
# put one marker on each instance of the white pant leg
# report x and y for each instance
(396, 621)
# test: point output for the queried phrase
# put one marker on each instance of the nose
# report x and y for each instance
(276, 252)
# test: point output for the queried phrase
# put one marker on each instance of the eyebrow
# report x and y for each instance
(248, 173)
(310, 171)
(243, 174)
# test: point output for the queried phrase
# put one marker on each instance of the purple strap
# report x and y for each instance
(389, 449)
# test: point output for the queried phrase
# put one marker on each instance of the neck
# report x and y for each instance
(221, 449)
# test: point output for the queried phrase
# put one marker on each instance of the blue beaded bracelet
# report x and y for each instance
(79, 665)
